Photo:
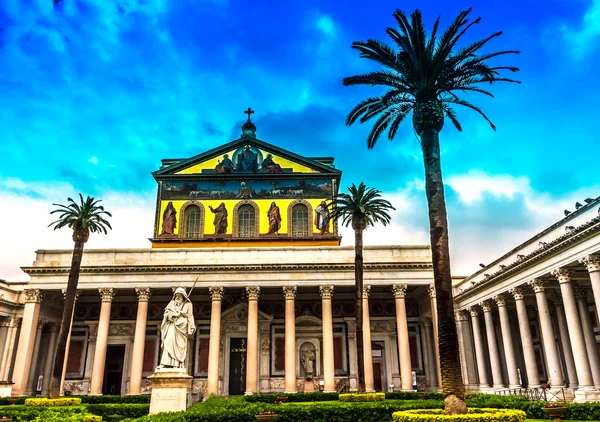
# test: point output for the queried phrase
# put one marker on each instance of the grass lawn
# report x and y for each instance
(546, 420)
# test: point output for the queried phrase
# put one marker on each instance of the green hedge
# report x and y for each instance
(291, 398)
(474, 415)
(63, 401)
(138, 398)
(118, 411)
(355, 397)
(21, 412)
(413, 395)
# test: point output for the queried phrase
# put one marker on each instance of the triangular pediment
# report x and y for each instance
(246, 155)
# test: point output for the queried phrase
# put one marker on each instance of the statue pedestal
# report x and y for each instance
(309, 386)
(169, 390)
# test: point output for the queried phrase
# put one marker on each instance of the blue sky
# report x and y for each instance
(95, 93)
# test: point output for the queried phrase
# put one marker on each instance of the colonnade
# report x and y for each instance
(573, 326)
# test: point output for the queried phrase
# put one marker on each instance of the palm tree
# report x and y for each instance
(363, 207)
(82, 218)
(424, 76)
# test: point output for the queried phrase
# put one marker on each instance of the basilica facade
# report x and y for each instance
(244, 228)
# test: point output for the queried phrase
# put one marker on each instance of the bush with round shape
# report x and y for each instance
(356, 397)
(474, 415)
(63, 401)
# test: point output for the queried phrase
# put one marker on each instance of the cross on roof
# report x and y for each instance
(249, 112)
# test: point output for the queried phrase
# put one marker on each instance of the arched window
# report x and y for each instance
(192, 222)
(246, 221)
(299, 220)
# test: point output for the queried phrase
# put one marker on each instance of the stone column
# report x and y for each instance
(139, 341)
(592, 263)
(367, 347)
(31, 312)
(465, 342)
(327, 320)
(582, 363)
(216, 295)
(403, 344)
(509, 350)
(492, 345)
(588, 334)
(429, 353)
(34, 370)
(484, 384)
(49, 360)
(563, 332)
(533, 376)
(12, 325)
(434, 324)
(107, 294)
(252, 352)
(550, 349)
(64, 373)
(289, 293)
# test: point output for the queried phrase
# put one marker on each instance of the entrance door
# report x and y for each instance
(113, 369)
(377, 384)
(237, 367)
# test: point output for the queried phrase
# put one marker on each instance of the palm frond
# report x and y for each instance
(87, 215)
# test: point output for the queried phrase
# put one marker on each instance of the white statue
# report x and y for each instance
(177, 325)
(307, 362)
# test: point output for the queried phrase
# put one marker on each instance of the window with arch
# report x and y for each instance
(300, 224)
(192, 222)
(246, 221)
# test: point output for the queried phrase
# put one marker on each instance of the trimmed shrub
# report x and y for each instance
(478, 415)
(414, 395)
(138, 398)
(355, 397)
(118, 411)
(21, 412)
(291, 398)
(63, 401)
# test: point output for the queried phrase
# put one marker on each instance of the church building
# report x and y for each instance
(244, 228)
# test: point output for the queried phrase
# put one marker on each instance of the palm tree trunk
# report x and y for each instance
(452, 382)
(67, 318)
(358, 277)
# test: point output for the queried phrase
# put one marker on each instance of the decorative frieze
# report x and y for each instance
(107, 294)
(253, 292)
(326, 291)
(121, 330)
(289, 292)
(591, 262)
(537, 284)
(216, 292)
(399, 290)
(32, 295)
(143, 293)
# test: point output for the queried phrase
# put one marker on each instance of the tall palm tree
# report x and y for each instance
(425, 76)
(82, 218)
(363, 207)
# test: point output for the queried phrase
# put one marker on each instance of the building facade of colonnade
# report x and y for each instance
(529, 319)
(245, 224)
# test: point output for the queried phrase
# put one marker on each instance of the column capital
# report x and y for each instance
(54, 327)
(486, 305)
(366, 291)
(216, 293)
(326, 291)
(10, 322)
(461, 315)
(517, 293)
(253, 292)
(143, 293)
(556, 298)
(107, 294)
(500, 300)
(473, 311)
(580, 292)
(41, 323)
(431, 291)
(562, 274)
(399, 290)
(289, 292)
(64, 293)
(537, 284)
(33, 295)
(425, 321)
(591, 262)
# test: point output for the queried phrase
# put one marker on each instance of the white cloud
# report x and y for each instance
(584, 40)
(325, 24)
(472, 186)
(25, 215)
(93, 160)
